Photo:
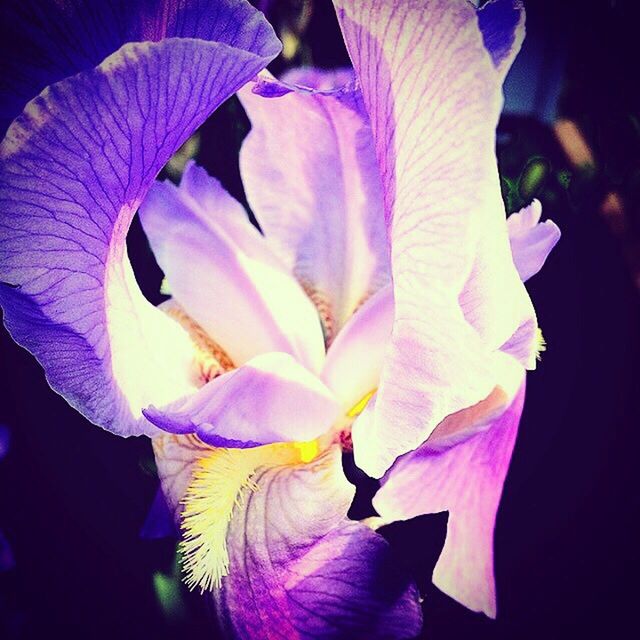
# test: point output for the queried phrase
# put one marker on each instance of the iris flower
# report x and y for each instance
(380, 309)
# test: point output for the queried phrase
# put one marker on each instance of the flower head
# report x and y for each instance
(382, 306)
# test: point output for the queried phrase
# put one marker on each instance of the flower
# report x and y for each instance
(384, 303)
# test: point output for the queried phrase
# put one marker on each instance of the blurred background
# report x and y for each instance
(73, 499)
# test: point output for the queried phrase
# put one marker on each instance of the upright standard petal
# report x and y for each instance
(309, 171)
(465, 480)
(270, 399)
(44, 41)
(433, 96)
(223, 273)
(300, 569)
(74, 168)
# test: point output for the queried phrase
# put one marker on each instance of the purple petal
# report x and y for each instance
(433, 97)
(300, 569)
(74, 168)
(310, 175)
(270, 399)
(44, 41)
(467, 481)
(531, 240)
(502, 25)
(223, 273)
(159, 522)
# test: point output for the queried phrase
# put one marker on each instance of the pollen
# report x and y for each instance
(308, 450)
(540, 344)
(358, 408)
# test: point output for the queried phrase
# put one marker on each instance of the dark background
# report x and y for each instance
(73, 498)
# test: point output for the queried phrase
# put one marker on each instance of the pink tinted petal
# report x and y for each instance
(222, 272)
(269, 399)
(74, 168)
(354, 360)
(310, 174)
(467, 481)
(433, 97)
(300, 569)
(531, 240)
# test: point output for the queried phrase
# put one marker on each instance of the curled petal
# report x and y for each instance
(222, 272)
(44, 41)
(467, 481)
(270, 399)
(314, 187)
(433, 97)
(73, 169)
(298, 566)
(531, 240)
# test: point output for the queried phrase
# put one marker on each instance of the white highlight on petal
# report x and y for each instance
(151, 354)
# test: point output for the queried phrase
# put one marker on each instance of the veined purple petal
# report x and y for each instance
(310, 174)
(433, 97)
(44, 41)
(74, 168)
(269, 399)
(223, 273)
(465, 480)
(300, 569)
(531, 240)
(502, 26)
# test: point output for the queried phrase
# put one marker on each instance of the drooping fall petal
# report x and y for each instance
(300, 569)
(433, 97)
(223, 273)
(466, 480)
(74, 168)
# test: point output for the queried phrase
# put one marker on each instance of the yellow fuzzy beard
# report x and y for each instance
(219, 484)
